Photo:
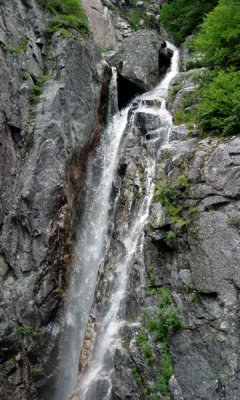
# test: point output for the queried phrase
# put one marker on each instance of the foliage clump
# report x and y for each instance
(26, 330)
(19, 49)
(218, 42)
(161, 387)
(37, 88)
(216, 46)
(219, 108)
(68, 14)
(135, 15)
(162, 324)
(169, 197)
(167, 320)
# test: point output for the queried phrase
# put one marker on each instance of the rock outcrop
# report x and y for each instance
(143, 72)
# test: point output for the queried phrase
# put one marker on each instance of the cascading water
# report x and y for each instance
(90, 244)
(95, 381)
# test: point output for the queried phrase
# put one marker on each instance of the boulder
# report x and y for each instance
(138, 59)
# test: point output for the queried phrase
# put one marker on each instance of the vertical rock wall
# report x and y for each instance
(50, 104)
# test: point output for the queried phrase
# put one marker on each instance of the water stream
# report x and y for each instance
(92, 244)
(90, 239)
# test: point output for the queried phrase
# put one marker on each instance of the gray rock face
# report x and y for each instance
(201, 266)
(144, 71)
(101, 23)
(44, 143)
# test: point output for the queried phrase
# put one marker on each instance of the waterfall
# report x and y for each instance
(91, 239)
(95, 382)
(111, 323)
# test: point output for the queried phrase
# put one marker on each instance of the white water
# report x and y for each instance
(111, 324)
(90, 247)
(101, 368)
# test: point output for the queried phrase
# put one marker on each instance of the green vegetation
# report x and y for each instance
(26, 330)
(219, 108)
(110, 47)
(153, 291)
(68, 15)
(182, 182)
(218, 42)
(181, 17)
(24, 74)
(19, 49)
(167, 320)
(137, 376)
(169, 198)
(169, 238)
(215, 104)
(186, 113)
(37, 88)
(218, 37)
(234, 220)
(161, 387)
(175, 88)
(142, 341)
(134, 15)
(150, 275)
(139, 380)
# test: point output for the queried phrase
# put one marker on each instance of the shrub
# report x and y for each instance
(26, 330)
(219, 108)
(167, 320)
(169, 238)
(69, 14)
(24, 74)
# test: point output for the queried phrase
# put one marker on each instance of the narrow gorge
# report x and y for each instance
(119, 249)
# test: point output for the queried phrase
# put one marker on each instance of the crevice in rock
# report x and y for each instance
(16, 134)
(210, 295)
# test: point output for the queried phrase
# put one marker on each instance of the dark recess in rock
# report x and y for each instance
(127, 90)
(164, 59)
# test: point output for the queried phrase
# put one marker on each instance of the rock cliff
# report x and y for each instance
(51, 113)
